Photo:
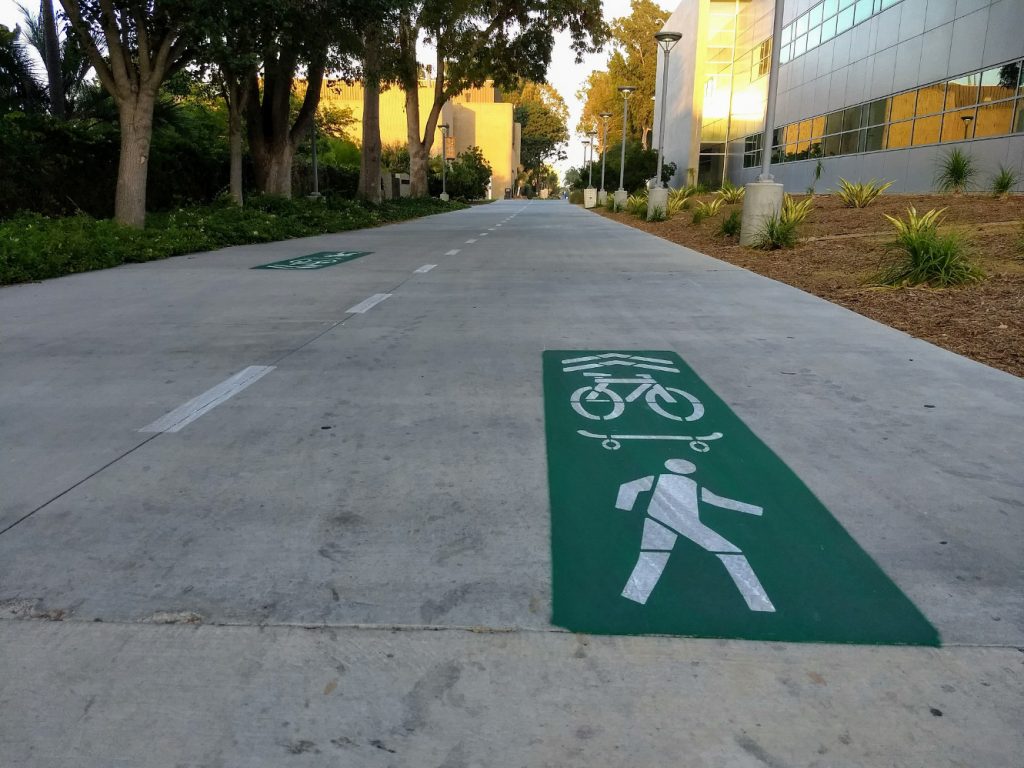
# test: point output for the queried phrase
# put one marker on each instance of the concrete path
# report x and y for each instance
(346, 562)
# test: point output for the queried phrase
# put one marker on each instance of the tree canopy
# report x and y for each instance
(544, 118)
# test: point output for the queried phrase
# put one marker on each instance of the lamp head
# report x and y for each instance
(625, 90)
(443, 127)
(667, 39)
(605, 115)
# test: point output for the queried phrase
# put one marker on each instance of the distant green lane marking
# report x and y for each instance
(669, 516)
(317, 260)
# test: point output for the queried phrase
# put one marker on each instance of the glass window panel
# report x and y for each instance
(777, 136)
(801, 25)
(818, 126)
(903, 105)
(927, 130)
(899, 134)
(1000, 83)
(813, 38)
(863, 11)
(791, 153)
(844, 21)
(962, 92)
(787, 34)
(829, 8)
(828, 29)
(852, 118)
(845, 4)
(832, 145)
(874, 138)
(792, 133)
(888, 3)
(804, 130)
(930, 99)
(834, 122)
(1018, 120)
(877, 112)
(800, 46)
(850, 142)
(959, 125)
(814, 16)
(783, 55)
(815, 149)
(993, 119)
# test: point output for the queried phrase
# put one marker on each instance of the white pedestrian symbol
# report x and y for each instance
(673, 511)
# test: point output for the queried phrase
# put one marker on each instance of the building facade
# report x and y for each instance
(477, 117)
(867, 89)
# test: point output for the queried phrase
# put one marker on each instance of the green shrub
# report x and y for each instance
(637, 204)
(707, 210)
(730, 227)
(658, 214)
(731, 194)
(861, 194)
(924, 256)
(33, 247)
(776, 232)
(795, 211)
(1004, 182)
(576, 196)
(957, 171)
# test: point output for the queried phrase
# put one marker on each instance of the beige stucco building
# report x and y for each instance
(478, 117)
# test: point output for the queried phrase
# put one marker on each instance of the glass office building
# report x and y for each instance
(867, 88)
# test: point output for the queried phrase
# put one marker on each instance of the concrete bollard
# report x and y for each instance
(590, 197)
(657, 198)
(602, 197)
(761, 200)
(620, 197)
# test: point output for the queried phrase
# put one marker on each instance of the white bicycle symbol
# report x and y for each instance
(656, 396)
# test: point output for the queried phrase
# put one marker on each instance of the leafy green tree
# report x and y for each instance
(134, 45)
(476, 41)
(544, 118)
(19, 91)
(632, 61)
(468, 175)
(641, 165)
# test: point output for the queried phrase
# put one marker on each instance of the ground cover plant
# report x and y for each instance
(956, 173)
(861, 194)
(730, 226)
(33, 247)
(839, 250)
(1004, 181)
(924, 256)
(731, 194)
(706, 209)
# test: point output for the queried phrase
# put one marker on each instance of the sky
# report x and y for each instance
(564, 73)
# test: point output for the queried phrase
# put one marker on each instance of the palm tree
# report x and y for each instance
(19, 89)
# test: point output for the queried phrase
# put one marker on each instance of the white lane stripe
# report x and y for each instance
(484, 234)
(367, 304)
(184, 415)
(470, 241)
(425, 268)
(452, 252)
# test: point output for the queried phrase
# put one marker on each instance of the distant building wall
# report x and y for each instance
(477, 118)
(870, 88)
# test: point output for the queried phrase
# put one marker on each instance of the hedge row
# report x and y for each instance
(33, 247)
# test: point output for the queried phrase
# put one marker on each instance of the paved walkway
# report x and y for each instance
(362, 531)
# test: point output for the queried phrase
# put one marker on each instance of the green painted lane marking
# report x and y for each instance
(317, 260)
(669, 516)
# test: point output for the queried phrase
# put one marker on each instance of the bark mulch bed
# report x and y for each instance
(842, 248)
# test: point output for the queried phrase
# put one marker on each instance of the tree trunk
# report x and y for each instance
(369, 162)
(51, 59)
(369, 156)
(136, 119)
(235, 142)
(419, 165)
(276, 176)
(644, 137)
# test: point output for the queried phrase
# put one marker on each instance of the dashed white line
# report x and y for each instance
(452, 252)
(484, 234)
(185, 414)
(470, 241)
(425, 268)
(368, 304)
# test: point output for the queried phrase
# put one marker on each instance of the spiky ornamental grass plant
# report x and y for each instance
(795, 211)
(637, 204)
(707, 210)
(730, 227)
(731, 194)
(861, 194)
(921, 255)
(1004, 182)
(776, 232)
(957, 171)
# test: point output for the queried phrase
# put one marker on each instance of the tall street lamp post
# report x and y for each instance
(592, 135)
(444, 160)
(620, 194)
(763, 198)
(602, 195)
(657, 198)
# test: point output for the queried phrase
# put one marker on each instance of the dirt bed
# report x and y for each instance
(842, 248)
